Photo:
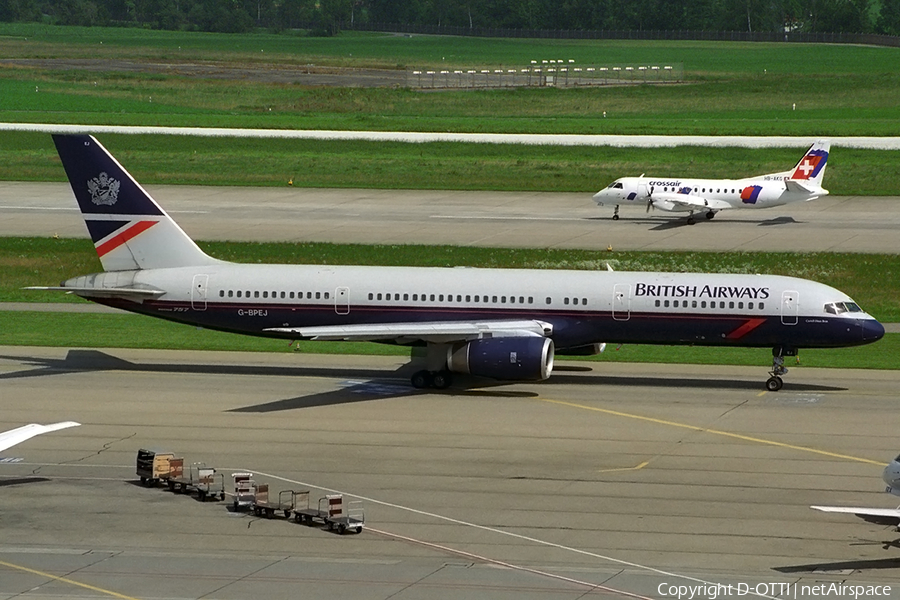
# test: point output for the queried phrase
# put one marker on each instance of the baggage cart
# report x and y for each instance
(151, 466)
(244, 491)
(264, 506)
(332, 512)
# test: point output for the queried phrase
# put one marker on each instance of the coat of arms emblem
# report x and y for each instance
(104, 189)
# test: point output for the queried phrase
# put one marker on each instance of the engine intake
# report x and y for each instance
(508, 358)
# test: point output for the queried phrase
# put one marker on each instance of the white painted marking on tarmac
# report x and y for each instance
(519, 536)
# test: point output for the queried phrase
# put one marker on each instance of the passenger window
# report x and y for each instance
(503, 300)
(530, 300)
(565, 300)
(666, 304)
(675, 303)
(405, 297)
(459, 297)
(265, 294)
(761, 306)
(494, 299)
(703, 304)
(721, 304)
(657, 302)
(749, 305)
(740, 305)
(731, 304)
(432, 297)
(441, 298)
(309, 295)
(476, 299)
(548, 300)
(318, 295)
(256, 294)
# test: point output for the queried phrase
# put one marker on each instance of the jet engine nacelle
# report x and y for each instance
(509, 358)
(891, 476)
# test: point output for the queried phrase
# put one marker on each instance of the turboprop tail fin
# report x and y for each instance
(811, 168)
(129, 229)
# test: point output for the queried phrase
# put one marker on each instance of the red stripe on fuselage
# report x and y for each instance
(126, 235)
(744, 329)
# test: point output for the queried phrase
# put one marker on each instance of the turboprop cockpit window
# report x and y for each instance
(617, 185)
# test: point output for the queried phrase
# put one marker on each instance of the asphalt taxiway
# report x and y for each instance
(471, 218)
(607, 480)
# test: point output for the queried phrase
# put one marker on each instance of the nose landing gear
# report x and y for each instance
(774, 382)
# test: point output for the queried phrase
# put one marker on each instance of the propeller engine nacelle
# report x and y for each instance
(508, 358)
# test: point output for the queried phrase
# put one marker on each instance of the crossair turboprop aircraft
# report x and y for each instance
(709, 196)
(503, 324)
(880, 516)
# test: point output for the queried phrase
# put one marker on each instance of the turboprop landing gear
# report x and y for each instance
(616, 213)
(710, 214)
(439, 380)
(690, 219)
(774, 382)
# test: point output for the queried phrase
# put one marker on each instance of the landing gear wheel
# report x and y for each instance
(710, 215)
(690, 220)
(421, 379)
(615, 217)
(774, 383)
(441, 380)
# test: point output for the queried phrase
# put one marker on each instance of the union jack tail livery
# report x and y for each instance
(129, 229)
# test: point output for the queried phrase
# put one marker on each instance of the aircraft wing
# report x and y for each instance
(12, 437)
(881, 516)
(687, 201)
(429, 331)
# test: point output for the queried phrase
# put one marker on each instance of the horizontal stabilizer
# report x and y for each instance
(435, 331)
(10, 438)
(101, 292)
(802, 187)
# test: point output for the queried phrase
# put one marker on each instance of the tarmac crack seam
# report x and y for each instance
(730, 434)
(502, 532)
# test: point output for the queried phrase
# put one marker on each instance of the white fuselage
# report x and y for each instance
(711, 194)
(583, 307)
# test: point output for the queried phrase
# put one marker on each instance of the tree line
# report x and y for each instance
(327, 17)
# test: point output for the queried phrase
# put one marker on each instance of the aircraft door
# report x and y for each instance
(342, 301)
(790, 307)
(198, 292)
(621, 304)
(642, 190)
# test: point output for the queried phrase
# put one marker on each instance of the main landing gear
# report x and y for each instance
(439, 380)
(710, 214)
(774, 382)
(690, 219)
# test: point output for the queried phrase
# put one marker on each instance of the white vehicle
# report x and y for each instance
(881, 516)
(709, 196)
(10, 438)
(503, 324)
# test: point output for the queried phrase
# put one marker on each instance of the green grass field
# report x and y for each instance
(261, 162)
(729, 88)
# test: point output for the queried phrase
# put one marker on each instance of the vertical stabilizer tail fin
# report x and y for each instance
(129, 229)
(811, 168)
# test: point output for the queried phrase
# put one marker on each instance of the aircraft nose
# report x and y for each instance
(598, 197)
(872, 330)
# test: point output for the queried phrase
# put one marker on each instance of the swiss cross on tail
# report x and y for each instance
(812, 164)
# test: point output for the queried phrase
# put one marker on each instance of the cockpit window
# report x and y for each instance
(836, 308)
(617, 185)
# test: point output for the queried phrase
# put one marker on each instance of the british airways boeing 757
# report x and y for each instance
(709, 196)
(499, 323)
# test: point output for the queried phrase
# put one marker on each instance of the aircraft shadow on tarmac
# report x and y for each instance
(359, 385)
(678, 222)
(855, 565)
(21, 480)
